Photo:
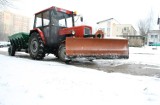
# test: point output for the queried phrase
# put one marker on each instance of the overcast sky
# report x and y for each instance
(124, 11)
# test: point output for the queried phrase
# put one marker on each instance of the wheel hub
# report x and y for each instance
(34, 46)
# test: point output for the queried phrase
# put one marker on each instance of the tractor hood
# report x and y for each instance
(77, 31)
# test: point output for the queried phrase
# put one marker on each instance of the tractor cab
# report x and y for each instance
(54, 16)
(50, 21)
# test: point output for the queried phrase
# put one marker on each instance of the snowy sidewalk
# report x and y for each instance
(30, 82)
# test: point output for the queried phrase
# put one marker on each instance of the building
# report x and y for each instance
(112, 28)
(135, 40)
(153, 38)
(12, 23)
(124, 29)
(108, 26)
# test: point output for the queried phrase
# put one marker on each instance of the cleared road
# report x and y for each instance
(109, 66)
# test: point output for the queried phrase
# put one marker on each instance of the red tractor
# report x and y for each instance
(54, 31)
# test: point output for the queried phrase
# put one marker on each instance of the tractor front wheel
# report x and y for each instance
(36, 47)
(62, 54)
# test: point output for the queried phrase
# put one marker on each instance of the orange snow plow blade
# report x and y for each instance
(97, 48)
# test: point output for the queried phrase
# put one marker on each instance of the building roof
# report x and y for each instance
(104, 20)
(57, 8)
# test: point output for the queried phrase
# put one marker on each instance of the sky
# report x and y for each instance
(124, 11)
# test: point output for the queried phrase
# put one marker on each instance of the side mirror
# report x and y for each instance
(81, 18)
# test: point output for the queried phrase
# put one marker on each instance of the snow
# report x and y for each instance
(141, 55)
(31, 82)
(145, 55)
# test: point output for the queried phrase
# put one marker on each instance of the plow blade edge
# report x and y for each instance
(97, 48)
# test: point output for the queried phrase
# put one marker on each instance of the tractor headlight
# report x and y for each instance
(73, 32)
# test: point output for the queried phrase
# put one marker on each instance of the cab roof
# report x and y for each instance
(57, 8)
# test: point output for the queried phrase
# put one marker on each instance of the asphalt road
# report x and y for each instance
(109, 66)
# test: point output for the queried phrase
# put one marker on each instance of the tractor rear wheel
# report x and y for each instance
(11, 50)
(36, 46)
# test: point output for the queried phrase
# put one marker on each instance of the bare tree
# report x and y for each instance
(145, 25)
(5, 4)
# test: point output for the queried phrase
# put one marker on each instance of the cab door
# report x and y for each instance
(46, 26)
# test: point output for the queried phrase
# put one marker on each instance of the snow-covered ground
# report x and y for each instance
(148, 55)
(30, 82)
(145, 55)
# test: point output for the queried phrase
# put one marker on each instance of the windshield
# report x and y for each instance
(61, 19)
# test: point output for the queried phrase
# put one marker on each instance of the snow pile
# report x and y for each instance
(4, 49)
(145, 55)
(151, 50)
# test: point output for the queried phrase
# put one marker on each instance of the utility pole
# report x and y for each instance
(158, 22)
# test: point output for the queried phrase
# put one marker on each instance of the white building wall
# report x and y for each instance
(124, 29)
(108, 27)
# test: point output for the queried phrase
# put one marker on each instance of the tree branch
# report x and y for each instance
(6, 3)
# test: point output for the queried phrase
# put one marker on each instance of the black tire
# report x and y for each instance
(36, 46)
(62, 54)
(11, 50)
